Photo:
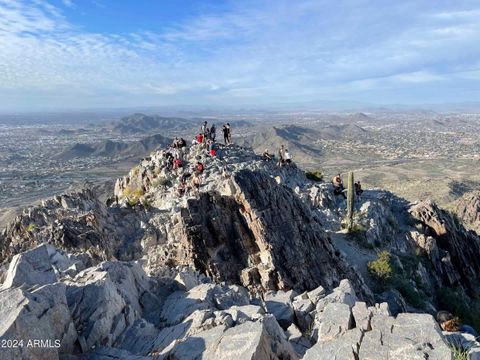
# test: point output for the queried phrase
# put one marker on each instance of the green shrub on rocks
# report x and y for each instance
(381, 268)
(314, 175)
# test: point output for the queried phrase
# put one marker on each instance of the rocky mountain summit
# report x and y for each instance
(251, 265)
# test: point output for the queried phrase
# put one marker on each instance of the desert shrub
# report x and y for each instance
(314, 175)
(412, 295)
(31, 227)
(133, 195)
(459, 354)
(381, 268)
(147, 203)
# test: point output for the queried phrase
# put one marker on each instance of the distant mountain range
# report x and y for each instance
(142, 124)
(301, 142)
(110, 148)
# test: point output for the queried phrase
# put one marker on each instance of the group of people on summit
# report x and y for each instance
(206, 139)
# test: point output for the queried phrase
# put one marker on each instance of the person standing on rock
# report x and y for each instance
(204, 128)
(225, 134)
(213, 132)
(229, 134)
(281, 155)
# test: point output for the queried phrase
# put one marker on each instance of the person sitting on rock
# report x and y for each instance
(358, 188)
(196, 182)
(200, 138)
(177, 163)
(182, 187)
(338, 188)
(199, 167)
(182, 143)
(267, 156)
(450, 323)
(174, 143)
(213, 152)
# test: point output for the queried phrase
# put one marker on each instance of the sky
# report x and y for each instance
(80, 54)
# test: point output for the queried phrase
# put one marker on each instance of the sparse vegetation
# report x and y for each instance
(381, 268)
(392, 275)
(459, 354)
(314, 175)
(133, 195)
(31, 227)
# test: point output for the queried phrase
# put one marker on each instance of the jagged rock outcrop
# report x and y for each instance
(467, 208)
(116, 311)
(451, 248)
(78, 223)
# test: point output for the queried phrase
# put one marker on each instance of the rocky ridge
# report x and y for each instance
(249, 256)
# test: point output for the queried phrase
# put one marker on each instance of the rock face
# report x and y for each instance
(467, 208)
(262, 236)
(450, 247)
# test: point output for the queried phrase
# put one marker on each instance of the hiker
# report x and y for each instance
(196, 181)
(358, 188)
(338, 188)
(182, 143)
(206, 135)
(287, 157)
(229, 128)
(200, 138)
(225, 173)
(204, 128)
(267, 156)
(199, 167)
(182, 187)
(213, 132)
(174, 143)
(225, 134)
(177, 163)
(450, 323)
(281, 155)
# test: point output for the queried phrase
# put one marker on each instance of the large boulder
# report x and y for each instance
(37, 322)
(31, 268)
(105, 300)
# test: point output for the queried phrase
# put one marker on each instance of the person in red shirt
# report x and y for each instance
(200, 138)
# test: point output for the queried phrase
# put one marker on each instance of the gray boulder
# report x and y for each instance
(279, 304)
(40, 315)
(33, 267)
(335, 320)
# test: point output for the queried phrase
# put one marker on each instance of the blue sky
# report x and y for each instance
(60, 54)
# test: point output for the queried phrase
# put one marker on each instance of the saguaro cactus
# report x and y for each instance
(350, 200)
